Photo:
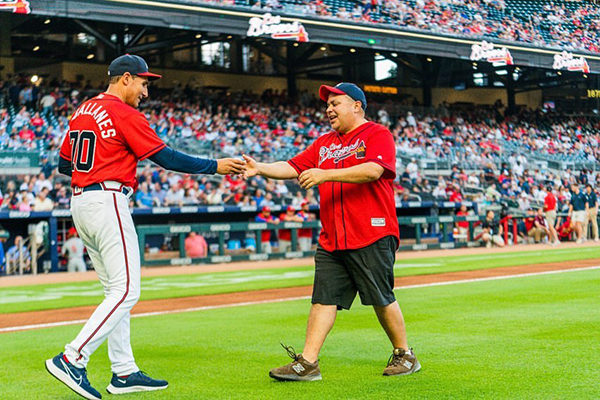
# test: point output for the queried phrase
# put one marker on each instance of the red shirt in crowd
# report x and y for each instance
(549, 202)
(354, 215)
(463, 224)
(265, 235)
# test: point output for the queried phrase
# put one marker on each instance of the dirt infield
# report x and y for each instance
(64, 277)
(27, 319)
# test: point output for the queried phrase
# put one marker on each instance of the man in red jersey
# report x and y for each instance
(305, 234)
(354, 167)
(285, 235)
(107, 137)
(550, 213)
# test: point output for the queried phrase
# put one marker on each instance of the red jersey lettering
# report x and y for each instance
(354, 215)
(106, 139)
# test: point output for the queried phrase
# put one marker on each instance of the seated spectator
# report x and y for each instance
(42, 202)
(143, 199)
(492, 231)
(540, 227)
(565, 229)
(195, 246)
(265, 236)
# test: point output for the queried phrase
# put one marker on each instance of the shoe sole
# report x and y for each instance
(132, 389)
(412, 371)
(66, 379)
(295, 378)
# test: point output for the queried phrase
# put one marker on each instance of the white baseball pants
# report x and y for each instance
(76, 265)
(104, 223)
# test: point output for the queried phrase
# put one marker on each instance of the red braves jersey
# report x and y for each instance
(106, 139)
(354, 215)
(305, 232)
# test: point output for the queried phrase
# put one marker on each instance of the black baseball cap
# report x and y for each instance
(349, 89)
(133, 64)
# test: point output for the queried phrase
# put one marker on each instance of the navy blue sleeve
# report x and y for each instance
(180, 162)
(64, 166)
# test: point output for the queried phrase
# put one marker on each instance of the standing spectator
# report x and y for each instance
(47, 104)
(492, 231)
(74, 246)
(550, 213)
(195, 246)
(592, 215)
(265, 236)
(305, 235)
(45, 166)
(285, 235)
(578, 209)
(463, 226)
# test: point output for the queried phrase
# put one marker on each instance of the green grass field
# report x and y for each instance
(45, 297)
(531, 337)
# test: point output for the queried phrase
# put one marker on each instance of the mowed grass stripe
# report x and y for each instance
(55, 296)
(524, 338)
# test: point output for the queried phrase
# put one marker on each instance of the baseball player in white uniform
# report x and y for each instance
(106, 139)
(74, 247)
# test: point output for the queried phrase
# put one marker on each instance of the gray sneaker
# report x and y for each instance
(297, 370)
(402, 362)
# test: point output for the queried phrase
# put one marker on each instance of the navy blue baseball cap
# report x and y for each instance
(133, 64)
(349, 89)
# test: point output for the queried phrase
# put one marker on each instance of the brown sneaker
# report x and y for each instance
(297, 370)
(402, 362)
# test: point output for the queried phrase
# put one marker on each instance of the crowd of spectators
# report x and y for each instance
(569, 25)
(491, 152)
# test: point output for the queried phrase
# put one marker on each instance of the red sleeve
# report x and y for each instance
(307, 159)
(65, 148)
(381, 149)
(140, 138)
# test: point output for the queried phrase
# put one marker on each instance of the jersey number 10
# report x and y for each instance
(83, 147)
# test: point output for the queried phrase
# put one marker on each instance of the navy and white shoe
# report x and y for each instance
(75, 378)
(136, 382)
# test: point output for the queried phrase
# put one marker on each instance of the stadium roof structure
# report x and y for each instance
(293, 42)
(198, 16)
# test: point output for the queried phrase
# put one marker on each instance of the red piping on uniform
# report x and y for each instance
(127, 288)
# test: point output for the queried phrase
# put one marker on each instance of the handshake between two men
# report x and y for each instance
(248, 167)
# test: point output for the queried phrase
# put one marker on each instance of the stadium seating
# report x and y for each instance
(572, 25)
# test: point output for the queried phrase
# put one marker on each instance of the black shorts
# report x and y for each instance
(368, 271)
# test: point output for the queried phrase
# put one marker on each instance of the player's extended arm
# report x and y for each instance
(180, 162)
(64, 166)
(276, 170)
(362, 173)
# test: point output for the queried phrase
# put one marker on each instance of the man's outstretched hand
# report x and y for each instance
(230, 166)
(251, 167)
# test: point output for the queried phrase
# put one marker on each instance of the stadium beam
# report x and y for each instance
(137, 37)
(268, 51)
(292, 87)
(308, 53)
(96, 34)
(161, 44)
